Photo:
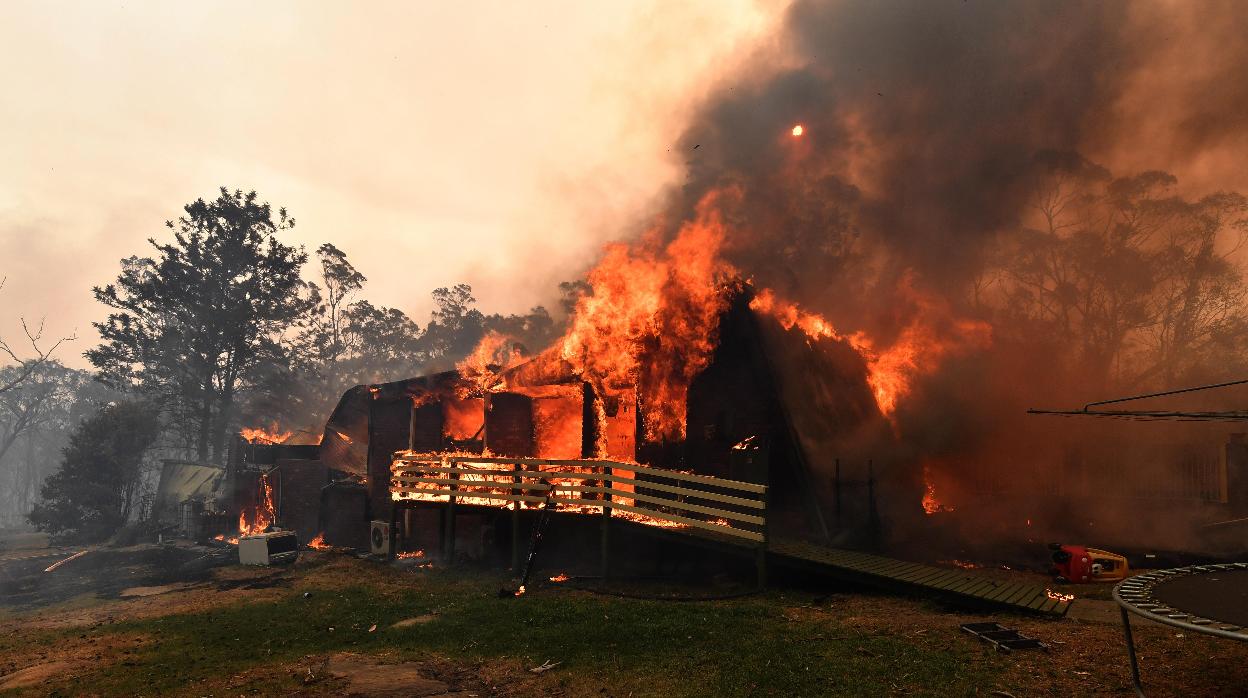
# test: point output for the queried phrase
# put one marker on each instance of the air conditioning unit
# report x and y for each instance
(379, 538)
(272, 548)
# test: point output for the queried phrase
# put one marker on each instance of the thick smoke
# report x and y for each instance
(921, 122)
(929, 129)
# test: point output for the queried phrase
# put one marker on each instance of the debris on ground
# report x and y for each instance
(545, 667)
(75, 556)
(1003, 638)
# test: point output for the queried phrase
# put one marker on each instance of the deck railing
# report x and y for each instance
(735, 510)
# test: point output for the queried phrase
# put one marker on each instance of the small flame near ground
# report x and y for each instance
(798, 130)
(931, 505)
(318, 543)
(561, 577)
(411, 554)
(1058, 596)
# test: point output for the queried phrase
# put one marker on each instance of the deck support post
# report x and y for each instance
(760, 559)
(448, 546)
(392, 548)
(605, 546)
(515, 520)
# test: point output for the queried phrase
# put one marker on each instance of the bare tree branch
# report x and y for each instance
(39, 355)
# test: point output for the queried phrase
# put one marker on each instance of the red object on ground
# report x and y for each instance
(1080, 564)
(1073, 566)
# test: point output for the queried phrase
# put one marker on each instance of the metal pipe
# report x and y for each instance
(1168, 392)
(1135, 664)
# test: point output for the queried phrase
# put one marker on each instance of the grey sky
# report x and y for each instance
(494, 143)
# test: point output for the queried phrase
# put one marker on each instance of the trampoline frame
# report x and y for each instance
(1134, 595)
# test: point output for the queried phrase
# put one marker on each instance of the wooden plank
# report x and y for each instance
(956, 586)
(673, 503)
(460, 493)
(924, 572)
(934, 575)
(546, 474)
(1018, 593)
(1005, 592)
(1026, 591)
(884, 567)
(897, 572)
(631, 467)
(689, 477)
(726, 530)
(495, 484)
(699, 494)
(1035, 600)
(984, 586)
(948, 578)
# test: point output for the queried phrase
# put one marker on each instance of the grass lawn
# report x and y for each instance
(226, 639)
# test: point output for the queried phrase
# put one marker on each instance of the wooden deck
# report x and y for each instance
(956, 586)
(696, 508)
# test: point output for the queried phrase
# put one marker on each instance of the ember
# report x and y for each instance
(561, 577)
(411, 554)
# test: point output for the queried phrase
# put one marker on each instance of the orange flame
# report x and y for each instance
(1058, 596)
(494, 353)
(561, 577)
(411, 554)
(651, 322)
(931, 505)
(918, 349)
(798, 130)
(318, 543)
(262, 514)
(272, 435)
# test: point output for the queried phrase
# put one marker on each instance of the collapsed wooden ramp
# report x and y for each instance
(955, 586)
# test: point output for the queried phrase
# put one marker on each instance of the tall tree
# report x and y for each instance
(34, 419)
(96, 488)
(193, 323)
(1128, 285)
(327, 321)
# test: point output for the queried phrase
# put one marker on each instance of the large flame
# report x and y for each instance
(494, 353)
(262, 514)
(273, 434)
(650, 323)
(929, 337)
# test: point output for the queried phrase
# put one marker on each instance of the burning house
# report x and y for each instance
(768, 403)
